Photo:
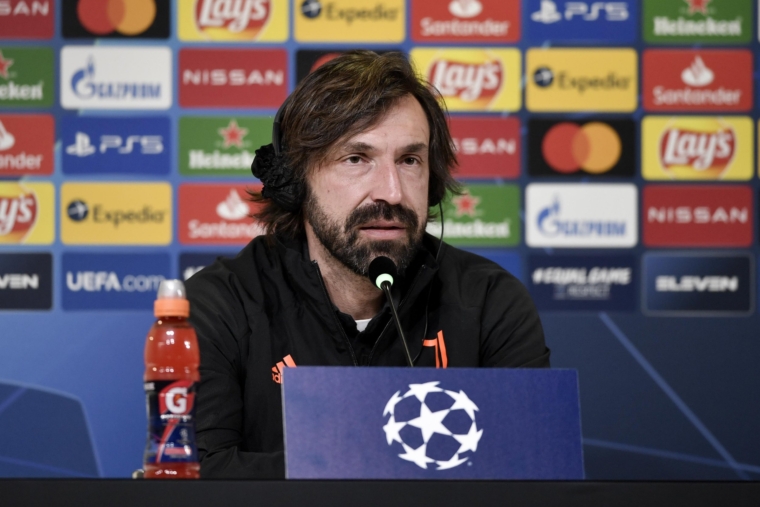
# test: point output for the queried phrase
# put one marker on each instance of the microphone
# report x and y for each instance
(382, 272)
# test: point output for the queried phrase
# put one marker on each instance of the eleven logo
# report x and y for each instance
(243, 20)
(473, 79)
(697, 80)
(27, 19)
(26, 213)
(350, 21)
(581, 80)
(697, 148)
(466, 21)
(26, 144)
(216, 214)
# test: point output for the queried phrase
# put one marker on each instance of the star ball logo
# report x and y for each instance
(433, 426)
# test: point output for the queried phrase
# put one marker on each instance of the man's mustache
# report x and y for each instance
(381, 210)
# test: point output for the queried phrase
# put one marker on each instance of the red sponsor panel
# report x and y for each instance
(26, 19)
(233, 77)
(697, 80)
(216, 214)
(486, 147)
(466, 21)
(26, 144)
(698, 216)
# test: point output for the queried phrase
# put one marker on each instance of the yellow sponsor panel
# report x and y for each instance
(116, 213)
(27, 212)
(697, 148)
(349, 20)
(581, 80)
(472, 79)
(239, 21)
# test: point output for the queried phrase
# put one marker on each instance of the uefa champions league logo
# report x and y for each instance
(432, 425)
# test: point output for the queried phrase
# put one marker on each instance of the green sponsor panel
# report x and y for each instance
(26, 77)
(221, 146)
(485, 215)
(698, 21)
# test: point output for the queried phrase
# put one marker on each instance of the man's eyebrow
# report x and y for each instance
(415, 148)
(364, 147)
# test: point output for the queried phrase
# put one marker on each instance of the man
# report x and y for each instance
(361, 151)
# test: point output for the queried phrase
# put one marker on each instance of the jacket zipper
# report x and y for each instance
(400, 304)
(340, 326)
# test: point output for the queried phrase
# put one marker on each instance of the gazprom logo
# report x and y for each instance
(550, 223)
(85, 86)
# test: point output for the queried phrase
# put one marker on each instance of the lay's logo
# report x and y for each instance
(249, 20)
(26, 213)
(473, 79)
(697, 148)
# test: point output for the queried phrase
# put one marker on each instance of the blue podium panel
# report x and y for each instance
(426, 423)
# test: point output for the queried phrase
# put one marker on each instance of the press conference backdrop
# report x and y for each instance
(607, 149)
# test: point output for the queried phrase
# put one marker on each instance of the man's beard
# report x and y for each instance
(343, 240)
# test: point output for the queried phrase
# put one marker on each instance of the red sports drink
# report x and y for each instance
(171, 380)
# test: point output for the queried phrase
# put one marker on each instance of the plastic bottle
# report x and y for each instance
(171, 380)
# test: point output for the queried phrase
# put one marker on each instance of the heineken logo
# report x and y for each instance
(26, 77)
(221, 145)
(695, 21)
(483, 215)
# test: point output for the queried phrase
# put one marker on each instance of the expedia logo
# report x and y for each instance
(116, 213)
(564, 79)
(684, 149)
(312, 9)
(78, 211)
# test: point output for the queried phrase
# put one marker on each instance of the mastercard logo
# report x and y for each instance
(128, 17)
(594, 147)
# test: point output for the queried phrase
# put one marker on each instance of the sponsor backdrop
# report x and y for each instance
(608, 152)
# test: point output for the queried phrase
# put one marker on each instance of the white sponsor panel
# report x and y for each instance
(96, 77)
(581, 215)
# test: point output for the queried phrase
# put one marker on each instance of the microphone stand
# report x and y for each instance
(386, 286)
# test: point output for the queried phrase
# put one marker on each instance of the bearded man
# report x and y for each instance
(361, 157)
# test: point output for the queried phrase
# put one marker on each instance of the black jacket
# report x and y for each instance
(268, 308)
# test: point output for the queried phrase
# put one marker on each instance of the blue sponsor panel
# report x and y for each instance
(115, 145)
(26, 281)
(562, 20)
(591, 283)
(191, 263)
(112, 281)
(699, 284)
(508, 260)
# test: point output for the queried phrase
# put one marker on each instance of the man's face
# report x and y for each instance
(371, 196)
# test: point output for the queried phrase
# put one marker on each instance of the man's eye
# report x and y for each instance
(354, 159)
(411, 161)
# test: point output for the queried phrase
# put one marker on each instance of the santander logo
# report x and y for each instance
(469, 82)
(238, 17)
(697, 74)
(18, 213)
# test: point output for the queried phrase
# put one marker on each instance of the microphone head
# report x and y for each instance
(382, 270)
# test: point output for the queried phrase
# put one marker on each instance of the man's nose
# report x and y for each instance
(386, 186)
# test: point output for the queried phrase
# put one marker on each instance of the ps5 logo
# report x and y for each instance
(148, 145)
(587, 11)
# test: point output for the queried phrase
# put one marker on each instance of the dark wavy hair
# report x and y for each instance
(342, 98)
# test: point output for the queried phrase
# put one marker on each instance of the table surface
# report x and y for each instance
(144, 493)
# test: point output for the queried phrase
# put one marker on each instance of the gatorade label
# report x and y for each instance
(171, 422)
